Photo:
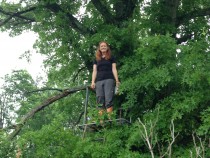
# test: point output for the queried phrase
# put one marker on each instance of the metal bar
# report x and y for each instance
(86, 104)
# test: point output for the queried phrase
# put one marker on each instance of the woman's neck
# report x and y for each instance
(103, 54)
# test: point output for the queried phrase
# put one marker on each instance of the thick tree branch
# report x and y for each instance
(43, 105)
(105, 12)
(172, 9)
(196, 13)
(73, 22)
(16, 15)
(45, 89)
(124, 9)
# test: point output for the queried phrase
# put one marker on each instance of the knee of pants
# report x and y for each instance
(101, 100)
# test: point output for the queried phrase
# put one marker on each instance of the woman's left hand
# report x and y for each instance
(117, 83)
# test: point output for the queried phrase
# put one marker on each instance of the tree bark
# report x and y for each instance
(123, 9)
(105, 12)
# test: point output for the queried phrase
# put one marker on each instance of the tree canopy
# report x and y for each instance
(162, 49)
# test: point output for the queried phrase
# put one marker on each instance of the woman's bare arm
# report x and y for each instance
(94, 76)
(114, 71)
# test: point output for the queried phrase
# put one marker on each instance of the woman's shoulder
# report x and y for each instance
(113, 59)
(94, 61)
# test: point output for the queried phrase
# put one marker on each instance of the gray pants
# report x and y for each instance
(105, 93)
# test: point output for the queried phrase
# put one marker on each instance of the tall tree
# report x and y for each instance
(162, 47)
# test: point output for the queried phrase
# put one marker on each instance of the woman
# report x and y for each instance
(104, 77)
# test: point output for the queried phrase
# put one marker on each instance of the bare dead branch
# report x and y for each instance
(202, 146)
(199, 149)
(147, 137)
(169, 148)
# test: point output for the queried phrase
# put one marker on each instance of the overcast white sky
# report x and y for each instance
(11, 48)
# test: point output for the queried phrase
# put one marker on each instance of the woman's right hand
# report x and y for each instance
(93, 85)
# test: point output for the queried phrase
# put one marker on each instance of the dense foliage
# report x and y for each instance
(162, 50)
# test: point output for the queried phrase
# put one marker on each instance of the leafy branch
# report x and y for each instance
(55, 8)
(193, 14)
(19, 15)
(43, 105)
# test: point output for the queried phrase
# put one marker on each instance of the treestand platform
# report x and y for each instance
(95, 126)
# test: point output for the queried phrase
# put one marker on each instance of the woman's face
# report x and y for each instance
(103, 47)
